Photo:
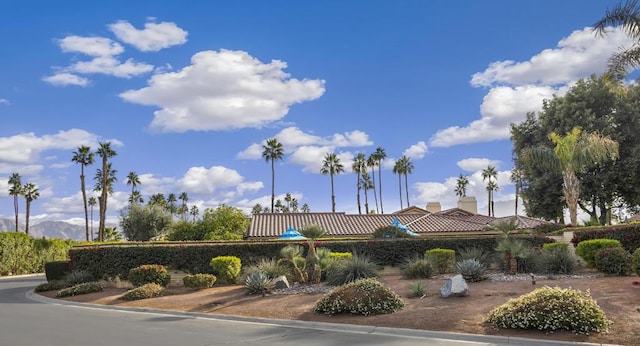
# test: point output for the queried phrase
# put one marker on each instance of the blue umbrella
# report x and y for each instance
(403, 228)
(291, 234)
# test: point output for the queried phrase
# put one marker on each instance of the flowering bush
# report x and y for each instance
(614, 260)
(150, 290)
(149, 273)
(587, 249)
(83, 288)
(551, 309)
(362, 297)
(199, 280)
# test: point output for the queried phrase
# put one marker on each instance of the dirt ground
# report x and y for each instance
(617, 296)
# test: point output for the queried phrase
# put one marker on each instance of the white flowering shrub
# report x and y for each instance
(551, 309)
(361, 297)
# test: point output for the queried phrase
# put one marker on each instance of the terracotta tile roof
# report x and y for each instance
(525, 222)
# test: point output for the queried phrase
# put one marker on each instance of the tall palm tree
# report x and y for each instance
(136, 198)
(380, 155)
(491, 187)
(15, 190)
(158, 200)
(134, 180)
(398, 168)
(272, 152)
(106, 180)
(92, 203)
(407, 169)
(627, 16)
(358, 165)
(184, 197)
(488, 174)
(194, 211)
(331, 165)
(516, 179)
(461, 186)
(171, 204)
(84, 156)
(367, 185)
(305, 208)
(31, 193)
(572, 154)
(372, 163)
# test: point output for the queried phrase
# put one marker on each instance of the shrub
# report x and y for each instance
(628, 235)
(51, 286)
(145, 291)
(77, 277)
(199, 280)
(471, 270)
(587, 249)
(56, 270)
(362, 297)
(483, 256)
(227, 268)
(556, 260)
(83, 288)
(616, 261)
(258, 282)
(142, 223)
(442, 260)
(548, 228)
(417, 268)
(555, 246)
(349, 270)
(271, 267)
(551, 309)
(389, 232)
(340, 255)
(635, 261)
(417, 289)
(149, 273)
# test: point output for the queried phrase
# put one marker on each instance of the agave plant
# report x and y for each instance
(258, 282)
(471, 269)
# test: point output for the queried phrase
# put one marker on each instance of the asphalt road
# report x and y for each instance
(28, 319)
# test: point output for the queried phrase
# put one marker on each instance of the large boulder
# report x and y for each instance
(456, 286)
(281, 282)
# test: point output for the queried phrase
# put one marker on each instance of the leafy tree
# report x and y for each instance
(84, 156)
(224, 223)
(488, 174)
(158, 200)
(359, 165)
(105, 183)
(15, 190)
(461, 186)
(30, 193)
(134, 180)
(627, 16)
(379, 155)
(142, 223)
(331, 166)
(272, 152)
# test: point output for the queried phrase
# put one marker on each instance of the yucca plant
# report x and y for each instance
(291, 255)
(471, 269)
(258, 282)
(417, 289)
(314, 270)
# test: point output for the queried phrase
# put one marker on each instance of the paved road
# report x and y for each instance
(29, 319)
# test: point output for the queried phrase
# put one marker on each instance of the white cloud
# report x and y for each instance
(254, 151)
(416, 151)
(223, 90)
(65, 78)
(154, 36)
(310, 157)
(520, 87)
(350, 139)
(111, 66)
(4, 101)
(292, 137)
(91, 46)
(208, 180)
(474, 164)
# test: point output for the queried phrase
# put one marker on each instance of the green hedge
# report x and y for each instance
(21, 254)
(194, 258)
(628, 235)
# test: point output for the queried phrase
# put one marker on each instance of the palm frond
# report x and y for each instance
(625, 15)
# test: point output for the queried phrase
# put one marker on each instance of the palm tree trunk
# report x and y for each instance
(273, 182)
(517, 193)
(373, 179)
(92, 223)
(84, 202)
(571, 193)
(15, 208)
(380, 184)
(489, 203)
(358, 196)
(366, 201)
(333, 198)
(400, 189)
(406, 188)
(28, 209)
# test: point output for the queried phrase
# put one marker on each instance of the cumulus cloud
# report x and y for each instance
(517, 88)
(208, 180)
(154, 36)
(416, 151)
(310, 157)
(65, 78)
(91, 46)
(254, 151)
(474, 164)
(223, 90)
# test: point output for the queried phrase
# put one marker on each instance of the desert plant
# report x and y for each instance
(417, 289)
(145, 291)
(271, 267)
(551, 309)
(314, 268)
(556, 259)
(362, 297)
(77, 277)
(587, 249)
(349, 270)
(513, 249)
(484, 257)
(83, 288)
(149, 273)
(442, 260)
(635, 261)
(471, 270)
(51, 286)
(258, 282)
(615, 260)
(417, 268)
(227, 268)
(291, 255)
(199, 280)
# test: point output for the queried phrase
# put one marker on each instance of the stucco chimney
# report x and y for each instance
(468, 204)
(433, 207)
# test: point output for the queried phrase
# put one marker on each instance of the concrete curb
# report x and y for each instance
(324, 326)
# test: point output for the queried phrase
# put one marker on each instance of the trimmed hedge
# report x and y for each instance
(21, 254)
(628, 235)
(117, 260)
(57, 270)
(587, 249)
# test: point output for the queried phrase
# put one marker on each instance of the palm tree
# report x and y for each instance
(516, 179)
(491, 187)
(171, 204)
(84, 157)
(158, 200)
(184, 197)
(30, 193)
(627, 16)
(305, 208)
(15, 190)
(571, 155)
(398, 169)
(136, 198)
(92, 203)
(358, 165)
(134, 181)
(194, 212)
(379, 156)
(331, 165)
(366, 185)
(106, 182)
(407, 169)
(273, 151)
(313, 232)
(488, 174)
(461, 186)
(372, 163)
(512, 248)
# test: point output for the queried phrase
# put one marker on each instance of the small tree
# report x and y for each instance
(313, 232)
(142, 223)
(512, 248)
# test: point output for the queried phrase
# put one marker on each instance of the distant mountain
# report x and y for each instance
(8, 225)
(48, 229)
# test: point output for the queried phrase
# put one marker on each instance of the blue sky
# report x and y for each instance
(186, 92)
